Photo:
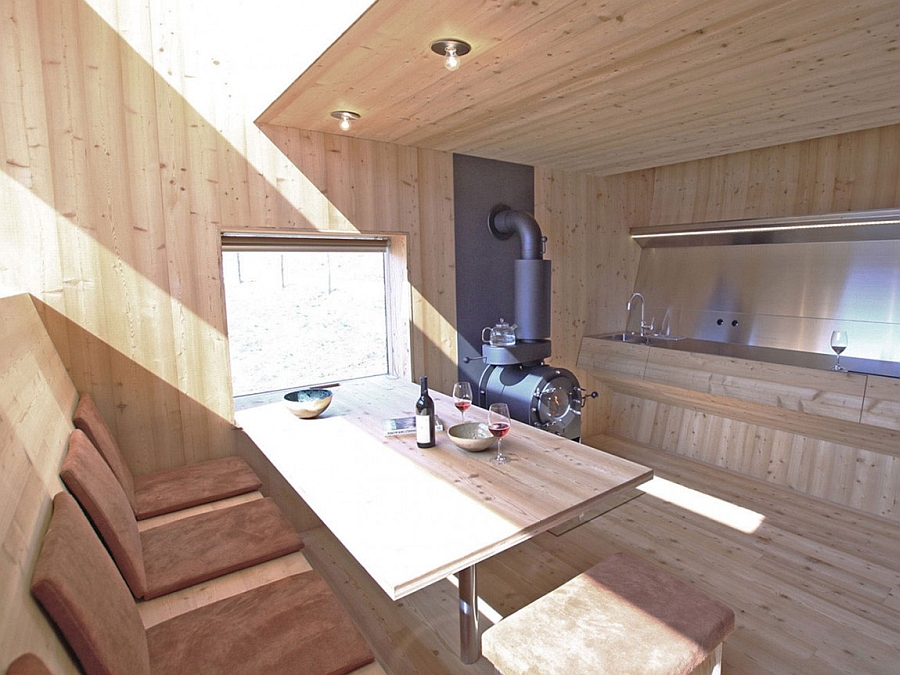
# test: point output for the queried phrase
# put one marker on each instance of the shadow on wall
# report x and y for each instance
(137, 187)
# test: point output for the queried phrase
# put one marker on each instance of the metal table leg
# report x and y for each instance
(469, 637)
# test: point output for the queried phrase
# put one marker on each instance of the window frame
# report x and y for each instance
(398, 305)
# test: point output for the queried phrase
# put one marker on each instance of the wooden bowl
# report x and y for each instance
(308, 403)
(471, 436)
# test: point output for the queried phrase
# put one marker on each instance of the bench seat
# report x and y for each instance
(161, 492)
(178, 554)
(623, 616)
(292, 625)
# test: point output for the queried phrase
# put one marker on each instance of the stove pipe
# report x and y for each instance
(531, 272)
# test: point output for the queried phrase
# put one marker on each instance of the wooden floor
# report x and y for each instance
(815, 588)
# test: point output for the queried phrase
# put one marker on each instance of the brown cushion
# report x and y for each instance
(28, 664)
(295, 625)
(78, 585)
(194, 549)
(90, 421)
(623, 616)
(95, 487)
(175, 489)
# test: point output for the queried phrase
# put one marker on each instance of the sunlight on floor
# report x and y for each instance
(719, 510)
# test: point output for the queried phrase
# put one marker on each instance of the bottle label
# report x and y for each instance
(423, 429)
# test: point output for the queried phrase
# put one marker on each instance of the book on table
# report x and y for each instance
(406, 426)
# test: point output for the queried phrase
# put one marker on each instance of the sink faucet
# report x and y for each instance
(644, 325)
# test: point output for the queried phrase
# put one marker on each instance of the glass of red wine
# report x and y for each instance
(462, 397)
(498, 423)
(839, 344)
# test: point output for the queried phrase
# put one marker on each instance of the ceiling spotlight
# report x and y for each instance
(345, 116)
(451, 50)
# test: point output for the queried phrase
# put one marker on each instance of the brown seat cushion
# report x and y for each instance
(623, 616)
(192, 550)
(88, 418)
(95, 487)
(28, 664)
(80, 588)
(171, 490)
(295, 625)
(181, 553)
(175, 489)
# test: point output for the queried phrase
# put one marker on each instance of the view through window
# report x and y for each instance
(298, 317)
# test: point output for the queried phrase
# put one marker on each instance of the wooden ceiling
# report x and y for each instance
(606, 87)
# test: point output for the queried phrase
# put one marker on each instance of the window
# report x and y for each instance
(305, 310)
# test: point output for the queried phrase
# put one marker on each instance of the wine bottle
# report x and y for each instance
(424, 416)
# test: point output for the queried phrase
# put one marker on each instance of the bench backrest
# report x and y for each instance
(37, 401)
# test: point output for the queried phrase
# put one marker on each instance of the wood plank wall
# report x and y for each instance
(127, 153)
(128, 149)
(855, 171)
(585, 219)
(847, 172)
(37, 400)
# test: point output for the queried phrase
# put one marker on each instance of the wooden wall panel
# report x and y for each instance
(129, 149)
(882, 403)
(855, 171)
(838, 472)
(848, 172)
(37, 400)
(594, 264)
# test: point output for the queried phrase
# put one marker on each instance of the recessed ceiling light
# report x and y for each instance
(451, 49)
(346, 117)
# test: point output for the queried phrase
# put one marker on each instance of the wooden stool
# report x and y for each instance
(621, 617)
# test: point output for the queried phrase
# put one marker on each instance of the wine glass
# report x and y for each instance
(839, 344)
(462, 397)
(498, 423)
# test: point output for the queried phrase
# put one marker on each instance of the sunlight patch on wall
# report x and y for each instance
(441, 331)
(229, 61)
(98, 290)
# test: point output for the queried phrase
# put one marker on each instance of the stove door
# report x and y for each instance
(546, 397)
(557, 404)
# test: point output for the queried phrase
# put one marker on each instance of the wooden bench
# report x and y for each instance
(292, 623)
(38, 400)
(623, 616)
(162, 492)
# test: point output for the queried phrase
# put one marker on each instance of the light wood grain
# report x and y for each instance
(37, 400)
(606, 89)
(412, 516)
(813, 586)
(835, 395)
(606, 356)
(777, 448)
(127, 152)
(882, 403)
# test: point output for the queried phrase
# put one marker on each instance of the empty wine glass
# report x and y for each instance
(839, 344)
(498, 423)
(462, 397)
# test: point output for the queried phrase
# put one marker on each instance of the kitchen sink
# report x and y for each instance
(638, 339)
(631, 338)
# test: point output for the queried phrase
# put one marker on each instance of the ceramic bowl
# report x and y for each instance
(308, 403)
(471, 436)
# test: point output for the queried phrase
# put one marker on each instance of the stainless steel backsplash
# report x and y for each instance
(787, 295)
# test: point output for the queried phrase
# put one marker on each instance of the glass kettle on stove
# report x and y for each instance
(500, 335)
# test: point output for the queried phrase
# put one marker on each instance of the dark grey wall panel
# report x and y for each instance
(484, 264)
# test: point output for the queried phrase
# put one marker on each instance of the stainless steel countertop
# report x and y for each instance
(785, 357)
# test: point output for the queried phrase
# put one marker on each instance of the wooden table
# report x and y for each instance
(414, 516)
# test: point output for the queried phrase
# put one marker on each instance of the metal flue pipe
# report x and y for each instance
(531, 272)
(505, 222)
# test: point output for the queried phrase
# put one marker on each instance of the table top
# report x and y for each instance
(412, 516)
